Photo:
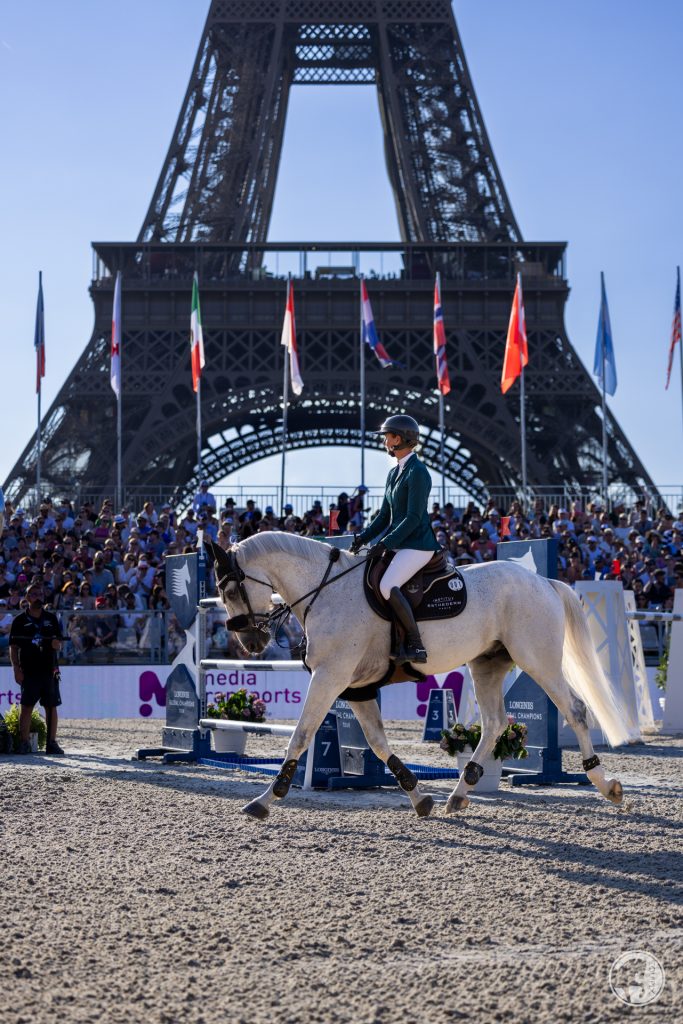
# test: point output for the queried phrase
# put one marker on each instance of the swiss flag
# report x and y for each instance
(516, 351)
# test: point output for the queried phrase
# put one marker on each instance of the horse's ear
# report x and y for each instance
(209, 548)
(218, 555)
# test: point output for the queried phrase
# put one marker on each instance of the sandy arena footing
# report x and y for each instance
(137, 892)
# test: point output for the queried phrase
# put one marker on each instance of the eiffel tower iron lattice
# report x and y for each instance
(210, 212)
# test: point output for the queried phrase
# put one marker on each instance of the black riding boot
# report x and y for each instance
(414, 648)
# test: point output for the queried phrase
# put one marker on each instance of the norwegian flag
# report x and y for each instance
(289, 341)
(442, 378)
(676, 326)
(115, 371)
(39, 335)
(370, 336)
(516, 350)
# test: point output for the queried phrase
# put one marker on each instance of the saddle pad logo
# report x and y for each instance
(455, 584)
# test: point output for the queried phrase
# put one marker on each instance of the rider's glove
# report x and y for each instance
(356, 545)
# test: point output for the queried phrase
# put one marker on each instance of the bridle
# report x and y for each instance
(233, 573)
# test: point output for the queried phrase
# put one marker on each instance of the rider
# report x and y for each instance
(404, 511)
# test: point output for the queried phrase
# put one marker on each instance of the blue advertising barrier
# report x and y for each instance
(525, 701)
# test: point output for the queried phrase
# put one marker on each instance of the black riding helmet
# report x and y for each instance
(406, 427)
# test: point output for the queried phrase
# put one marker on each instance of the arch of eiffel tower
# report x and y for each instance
(210, 212)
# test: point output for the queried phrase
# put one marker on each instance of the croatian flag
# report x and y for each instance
(370, 331)
(115, 372)
(442, 378)
(39, 335)
(604, 347)
(675, 327)
(516, 349)
(289, 341)
(196, 335)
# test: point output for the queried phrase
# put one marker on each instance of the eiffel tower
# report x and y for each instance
(210, 212)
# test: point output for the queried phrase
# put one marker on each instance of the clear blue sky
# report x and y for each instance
(582, 102)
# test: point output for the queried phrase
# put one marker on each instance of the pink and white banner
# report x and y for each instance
(136, 691)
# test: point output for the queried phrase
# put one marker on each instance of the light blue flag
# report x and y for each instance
(604, 349)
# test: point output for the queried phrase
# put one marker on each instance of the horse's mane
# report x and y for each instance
(291, 543)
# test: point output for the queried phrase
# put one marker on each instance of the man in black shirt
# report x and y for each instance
(34, 640)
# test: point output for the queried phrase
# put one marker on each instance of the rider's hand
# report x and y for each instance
(356, 545)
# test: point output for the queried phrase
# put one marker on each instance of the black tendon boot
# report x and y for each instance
(414, 648)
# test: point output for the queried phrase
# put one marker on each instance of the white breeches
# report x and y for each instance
(404, 564)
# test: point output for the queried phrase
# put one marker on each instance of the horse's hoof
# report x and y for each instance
(456, 803)
(424, 808)
(256, 810)
(615, 793)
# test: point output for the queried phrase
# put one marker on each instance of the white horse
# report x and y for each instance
(511, 616)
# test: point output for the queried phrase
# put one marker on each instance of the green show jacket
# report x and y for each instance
(404, 510)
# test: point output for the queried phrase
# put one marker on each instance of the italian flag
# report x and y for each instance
(196, 336)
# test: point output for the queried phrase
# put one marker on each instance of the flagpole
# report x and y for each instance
(442, 427)
(119, 455)
(39, 390)
(680, 343)
(285, 397)
(361, 357)
(604, 399)
(119, 418)
(199, 430)
(442, 450)
(522, 411)
(604, 437)
(522, 427)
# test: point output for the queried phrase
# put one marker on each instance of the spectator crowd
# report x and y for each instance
(111, 560)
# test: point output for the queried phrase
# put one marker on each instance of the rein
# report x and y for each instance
(235, 574)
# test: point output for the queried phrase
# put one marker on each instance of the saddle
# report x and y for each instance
(437, 591)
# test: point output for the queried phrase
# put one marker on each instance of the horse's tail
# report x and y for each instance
(584, 672)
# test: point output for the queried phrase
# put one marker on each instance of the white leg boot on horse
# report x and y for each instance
(368, 714)
(318, 702)
(488, 672)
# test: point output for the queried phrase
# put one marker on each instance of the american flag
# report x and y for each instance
(442, 378)
(39, 335)
(676, 326)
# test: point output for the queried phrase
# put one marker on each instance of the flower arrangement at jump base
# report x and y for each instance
(509, 744)
(11, 727)
(239, 706)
